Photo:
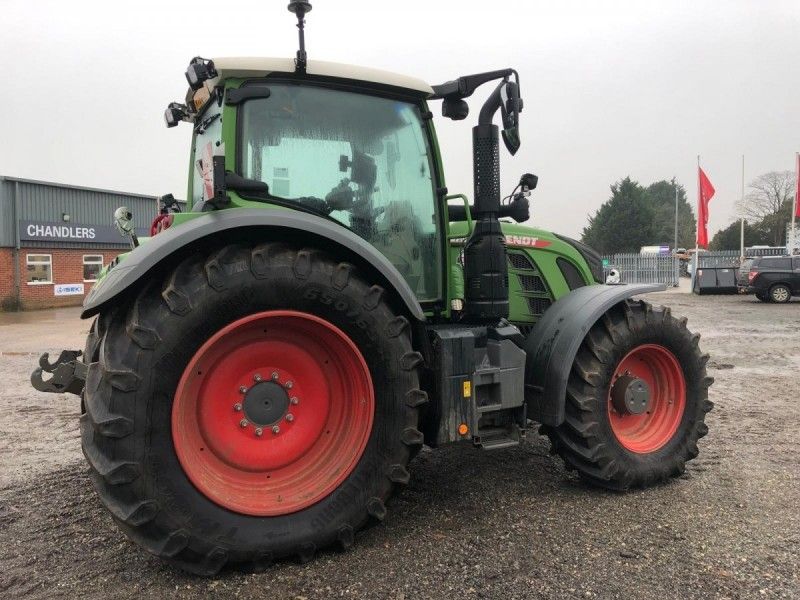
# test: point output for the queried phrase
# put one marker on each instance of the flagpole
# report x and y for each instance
(796, 199)
(699, 214)
(741, 232)
(675, 183)
(695, 257)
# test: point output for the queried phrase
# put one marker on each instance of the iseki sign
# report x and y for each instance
(68, 289)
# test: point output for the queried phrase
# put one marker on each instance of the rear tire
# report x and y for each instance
(780, 293)
(617, 450)
(127, 431)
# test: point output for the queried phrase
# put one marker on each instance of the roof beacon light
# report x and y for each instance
(300, 8)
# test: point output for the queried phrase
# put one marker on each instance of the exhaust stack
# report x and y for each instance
(485, 265)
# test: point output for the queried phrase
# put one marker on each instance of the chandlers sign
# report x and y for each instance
(69, 232)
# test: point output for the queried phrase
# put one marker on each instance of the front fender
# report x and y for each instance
(554, 342)
(293, 225)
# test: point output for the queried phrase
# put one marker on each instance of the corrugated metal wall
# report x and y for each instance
(28, 200)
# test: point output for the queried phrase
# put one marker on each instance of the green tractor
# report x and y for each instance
(263, 368)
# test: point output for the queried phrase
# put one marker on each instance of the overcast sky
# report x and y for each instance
(611, 88)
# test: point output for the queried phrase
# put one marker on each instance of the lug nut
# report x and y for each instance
(276, 430)
(243, 423)
(237, 407)
(290, 417)
(274, 376)
(288, 385)
(259, 431)
(242, 389)
(257, 377)
(294, 400)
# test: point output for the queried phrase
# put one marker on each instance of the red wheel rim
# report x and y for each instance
(282, 370)
(661, 371)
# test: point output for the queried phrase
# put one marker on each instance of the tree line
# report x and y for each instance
(636, 216)
(767, 209)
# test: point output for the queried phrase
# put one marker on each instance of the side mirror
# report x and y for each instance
(511, 140)
(510, 107)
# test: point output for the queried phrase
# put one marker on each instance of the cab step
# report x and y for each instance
(497, 438)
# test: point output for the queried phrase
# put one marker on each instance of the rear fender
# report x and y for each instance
(554, 342)
(249, 223)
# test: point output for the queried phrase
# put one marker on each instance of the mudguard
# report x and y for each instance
(292, 225)
(554, 342)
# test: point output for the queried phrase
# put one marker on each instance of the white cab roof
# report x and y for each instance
(261, 66)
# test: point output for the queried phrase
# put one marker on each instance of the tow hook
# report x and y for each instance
(69, 373)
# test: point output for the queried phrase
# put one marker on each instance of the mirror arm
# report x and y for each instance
(491, 105)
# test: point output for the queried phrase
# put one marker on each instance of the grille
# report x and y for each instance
(531, 283)
(520, 261)
(592, 258)
(571, 274)
(537, 306)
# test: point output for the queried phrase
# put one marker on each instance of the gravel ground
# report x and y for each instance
(507, 524)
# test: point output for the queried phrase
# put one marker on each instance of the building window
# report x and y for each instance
(92, 264)
(40, 268)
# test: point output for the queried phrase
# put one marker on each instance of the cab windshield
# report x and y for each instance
(363, 160)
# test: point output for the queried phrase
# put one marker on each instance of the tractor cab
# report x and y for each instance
(353, 145)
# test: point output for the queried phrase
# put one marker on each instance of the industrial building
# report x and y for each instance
(55, 238)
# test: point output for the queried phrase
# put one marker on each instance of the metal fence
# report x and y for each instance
(643, 268)
(718, 258)
(732, 258)
(656, 268)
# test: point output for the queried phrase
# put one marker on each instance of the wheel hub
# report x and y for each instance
(265, 403)
(647, 398)
(780, 294)
(273, 413)
(631, 395)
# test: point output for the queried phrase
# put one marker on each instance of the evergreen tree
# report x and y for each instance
(661, 196)
(624, 223)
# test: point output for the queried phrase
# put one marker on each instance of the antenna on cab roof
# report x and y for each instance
(300, 8)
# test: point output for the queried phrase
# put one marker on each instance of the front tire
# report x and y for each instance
(636, 399)
(164, 432)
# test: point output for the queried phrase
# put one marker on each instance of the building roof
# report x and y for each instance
(31, 201)
(262, 66)
(69, 186)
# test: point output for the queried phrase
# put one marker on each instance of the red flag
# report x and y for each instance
(797, 190)
(706, 193)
